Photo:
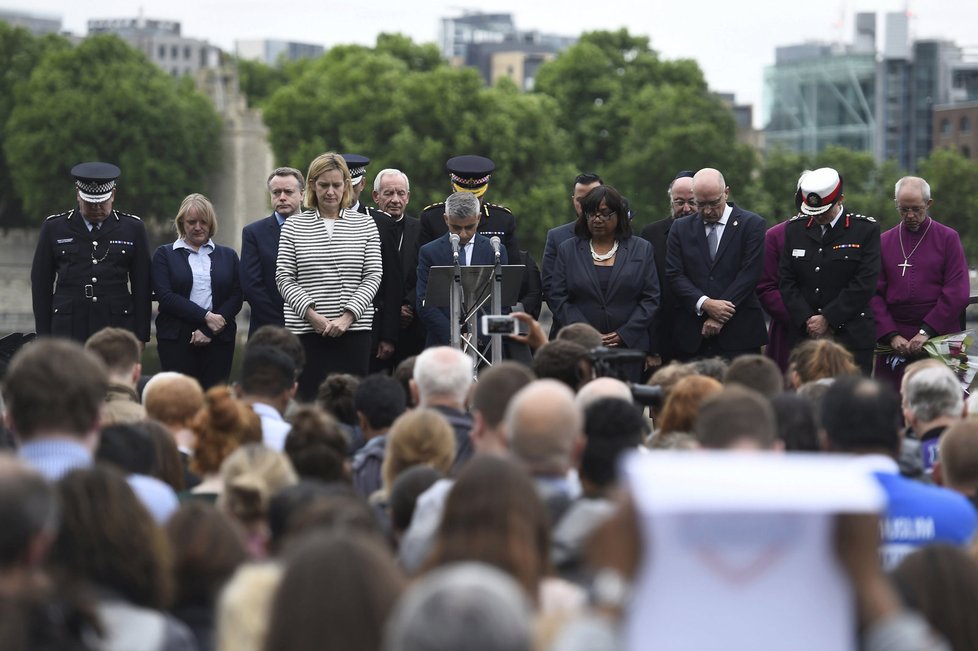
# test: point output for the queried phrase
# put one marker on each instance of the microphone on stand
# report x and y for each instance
(494, 240)
(454, 239)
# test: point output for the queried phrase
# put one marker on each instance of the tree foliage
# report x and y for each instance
(103, 100)
(953, 179)
(20, 52)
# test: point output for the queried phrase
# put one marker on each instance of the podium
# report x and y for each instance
(465, 290)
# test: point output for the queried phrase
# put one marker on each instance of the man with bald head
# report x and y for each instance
(923, 286)
(714, 258)
(546, 435)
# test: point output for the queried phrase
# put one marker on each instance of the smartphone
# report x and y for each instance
(499, 324)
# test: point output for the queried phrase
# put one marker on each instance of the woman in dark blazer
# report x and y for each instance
(197, 285)
(606, 277)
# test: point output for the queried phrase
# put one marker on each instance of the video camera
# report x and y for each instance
(623, 364)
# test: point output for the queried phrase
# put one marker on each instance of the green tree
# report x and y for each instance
(637, 119)
(952, 179)
(20, 52)
(398, 106)
(105, 101)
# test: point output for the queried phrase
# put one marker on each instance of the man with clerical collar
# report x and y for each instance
(387, 300)
(91, 264)
(392, 194)
(259, 249)
(923, 287)
(829, 268)
(472, 174)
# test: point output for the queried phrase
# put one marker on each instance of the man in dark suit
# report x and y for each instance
(100, 260)
(830, 267)
(259, 249)
(461, 217)
(714, 258)
(584, 183)
(392, 193)
(472, 174)
(657, 233)
(387, 300)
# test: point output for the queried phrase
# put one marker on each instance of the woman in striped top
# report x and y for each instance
(328, 270)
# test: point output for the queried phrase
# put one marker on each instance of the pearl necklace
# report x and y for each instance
(601, 257)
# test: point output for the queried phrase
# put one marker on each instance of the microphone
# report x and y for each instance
(494, 240)
(454, 239)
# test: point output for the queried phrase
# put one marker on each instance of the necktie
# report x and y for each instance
(712, 240)
(826, 231)
(96, 227)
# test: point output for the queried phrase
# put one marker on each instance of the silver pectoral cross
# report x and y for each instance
(904, 265)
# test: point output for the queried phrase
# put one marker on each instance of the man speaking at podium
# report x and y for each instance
(462, 218)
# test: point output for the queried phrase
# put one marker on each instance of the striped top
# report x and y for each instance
(332, 273)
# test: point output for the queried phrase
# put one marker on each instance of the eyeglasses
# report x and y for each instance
(911, 210)
(603, 216)
(716, 203)
(684, 202)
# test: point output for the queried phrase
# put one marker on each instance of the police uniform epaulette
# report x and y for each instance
(437, 203)
(496, 205)
(60, 214)
(127, 214)
(866, 217)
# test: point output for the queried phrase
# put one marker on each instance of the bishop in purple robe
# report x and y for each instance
(923, 288)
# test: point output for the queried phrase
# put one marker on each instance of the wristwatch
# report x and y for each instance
(609, 589)
(923, 332)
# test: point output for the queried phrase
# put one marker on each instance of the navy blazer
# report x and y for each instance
(731, 276)
(629, 305)
(259, 250)
(172, 281)
(438, 253)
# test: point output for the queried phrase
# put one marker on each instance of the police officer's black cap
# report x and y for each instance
(684, 174)
(95, 180)
(358, 166)
(470, 173)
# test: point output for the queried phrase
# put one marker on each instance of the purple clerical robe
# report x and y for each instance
(779, 330)
(932, 291)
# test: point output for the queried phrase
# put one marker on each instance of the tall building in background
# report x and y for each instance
(271, 52)
(162, 43)
(36, 24)
(491, 44)
(863, 96)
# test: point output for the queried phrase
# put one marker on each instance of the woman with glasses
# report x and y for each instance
(606, 277)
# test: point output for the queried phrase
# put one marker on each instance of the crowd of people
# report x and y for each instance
(362, 485)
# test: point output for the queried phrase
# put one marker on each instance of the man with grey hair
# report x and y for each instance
(259, 249)
(462, 218)
(469, 606)
(923, 285)
(932, 402)
(392, 193)
(442, 378)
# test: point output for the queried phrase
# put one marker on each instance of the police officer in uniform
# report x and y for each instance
(387, 300)
(829, 268)
(91, 265)
(472, 174)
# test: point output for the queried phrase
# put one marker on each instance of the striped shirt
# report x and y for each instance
(332, 273)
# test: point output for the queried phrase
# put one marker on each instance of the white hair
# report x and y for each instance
(932, 393)
(387, 172)
(443, 371)
(603, 387)
(921, 183)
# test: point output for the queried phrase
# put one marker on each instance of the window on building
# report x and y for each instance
(966, 151)
(964, 124)
(174, 51)
(161, 52)
(186, 52)
(945, 127)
